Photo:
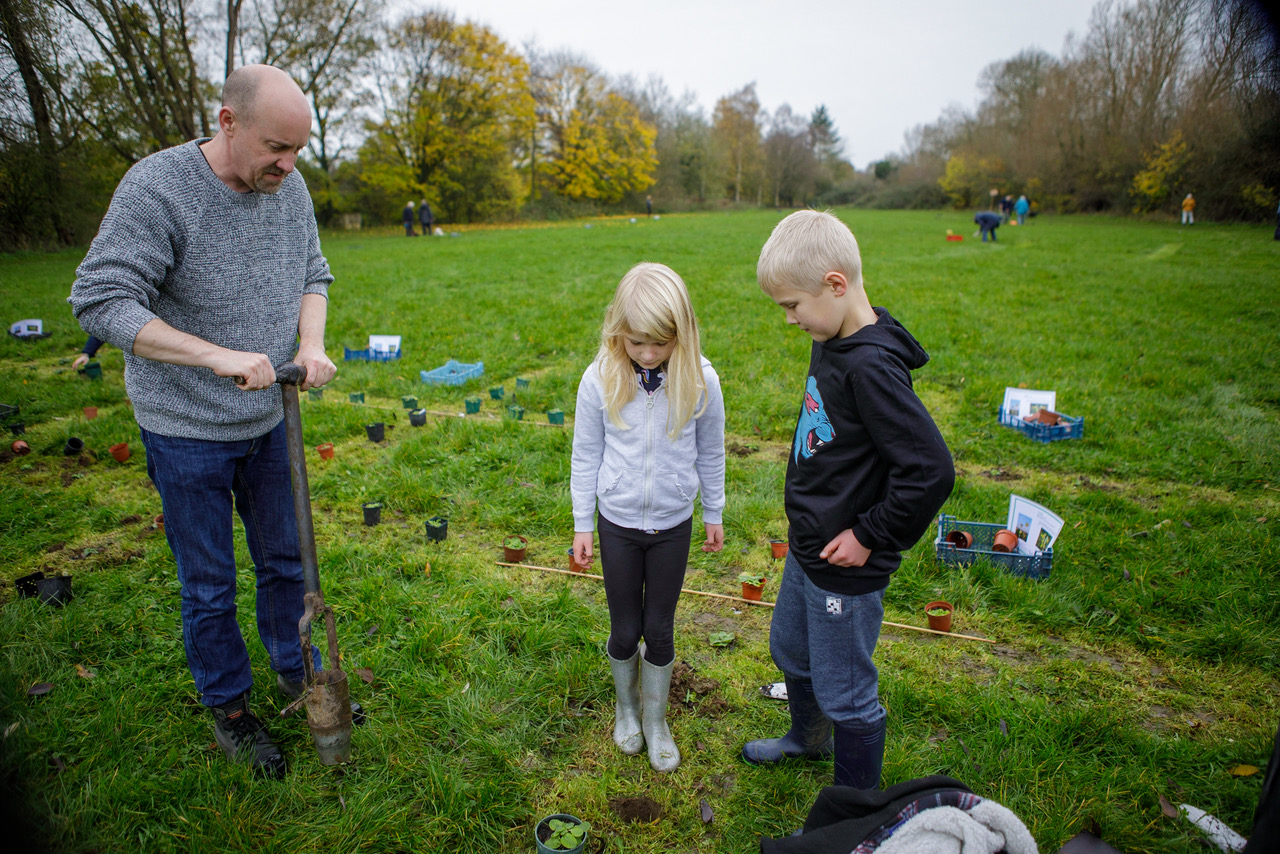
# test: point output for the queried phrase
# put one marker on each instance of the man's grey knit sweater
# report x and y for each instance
(227, 267)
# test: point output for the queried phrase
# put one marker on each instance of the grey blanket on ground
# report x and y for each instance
(987, 828)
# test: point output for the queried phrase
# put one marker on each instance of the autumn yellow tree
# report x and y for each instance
(607, 151)
(455, 101)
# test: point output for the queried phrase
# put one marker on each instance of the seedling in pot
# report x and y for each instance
(565, 835)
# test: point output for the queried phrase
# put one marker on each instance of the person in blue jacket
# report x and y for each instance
(988, 222)
(1020, 207)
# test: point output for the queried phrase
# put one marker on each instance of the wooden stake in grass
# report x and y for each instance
(740, 599)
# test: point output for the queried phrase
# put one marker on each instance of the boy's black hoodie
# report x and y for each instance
(866, 456)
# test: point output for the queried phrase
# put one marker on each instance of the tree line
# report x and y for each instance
(424, 105)
(1157, 98)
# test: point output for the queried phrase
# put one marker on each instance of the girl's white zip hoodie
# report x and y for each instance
(640, 477)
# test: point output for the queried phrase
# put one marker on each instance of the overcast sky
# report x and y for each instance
(880, 67)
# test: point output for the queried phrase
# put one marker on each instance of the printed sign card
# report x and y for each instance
(1036, 526)
(1022, 402)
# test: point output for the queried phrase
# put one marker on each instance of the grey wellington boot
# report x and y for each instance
(655, 682)
(809, 736)
(627, 732)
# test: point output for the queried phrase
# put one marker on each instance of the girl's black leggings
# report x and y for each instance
(643, 574)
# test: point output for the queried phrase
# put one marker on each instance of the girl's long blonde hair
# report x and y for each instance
(651, 300)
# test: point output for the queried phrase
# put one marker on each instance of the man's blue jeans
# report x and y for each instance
(199, 482)
(829, 638)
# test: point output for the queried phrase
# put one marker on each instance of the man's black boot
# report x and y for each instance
(293, 690)
(244, 739)
(859, 756)
(809, 736)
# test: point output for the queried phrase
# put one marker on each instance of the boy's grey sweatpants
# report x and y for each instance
(829, 638)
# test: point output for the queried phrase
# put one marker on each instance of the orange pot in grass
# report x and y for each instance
(120, 452)
(939, 622)
(752, 585)
(778, 549)
(1005, 541)
(514, 548)
(325, 450)
(90, 412)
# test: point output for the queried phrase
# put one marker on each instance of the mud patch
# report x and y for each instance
(639, 808)
(1019, 657)
(740, 450)
(130, 520)
(1000, 474)
(692, 692)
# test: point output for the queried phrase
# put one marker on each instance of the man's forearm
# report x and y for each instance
(160, 342)
(311, 320)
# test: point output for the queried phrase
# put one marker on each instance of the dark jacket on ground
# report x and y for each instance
(866, 456)
(842, 817)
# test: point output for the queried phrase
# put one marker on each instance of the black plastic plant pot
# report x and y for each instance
(54, 590)
(28, 585)
(376, 431)
(437, 529)
(73, 447)
(18, 428)
(418, 417)
(372, 513)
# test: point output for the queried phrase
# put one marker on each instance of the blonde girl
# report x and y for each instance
(648, 437)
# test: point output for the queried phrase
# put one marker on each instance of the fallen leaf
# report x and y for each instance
(940, 735)
(342, 801)
(366, 674)
(371, 631)
(1244, 770)
(57, 764)
(707, 814)
(39, 689)
(963, 746)
(1167, 808)
(8, 731)
(1078, 524)
(1262, 520)
(1126, 575)
(85, 673)
(466, 688)
(1004, 727)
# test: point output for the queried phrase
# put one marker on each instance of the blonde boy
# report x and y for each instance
(868, 472)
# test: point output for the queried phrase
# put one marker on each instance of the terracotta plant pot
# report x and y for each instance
(73, 447)
(20, 448)
(1004, 541)
(90, 412)
(325, 450)
(372, 513)
(120, 452)
(573, 563)
(942, 622)
(1045, 416)
(376, 431)
(473, 405)
(960, 539)
(778, 549)
(437, 529)
(752, 591)
(514, 555)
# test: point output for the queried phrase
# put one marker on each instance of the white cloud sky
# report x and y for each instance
(881, 68)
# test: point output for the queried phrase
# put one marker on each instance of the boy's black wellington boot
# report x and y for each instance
(244, 739)
(809, 736)
(293, 690)
(859, 756)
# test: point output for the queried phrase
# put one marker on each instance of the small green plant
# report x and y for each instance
(721, 639)
(938, 612)
(755, 579)
(565, 835)
(514, 542)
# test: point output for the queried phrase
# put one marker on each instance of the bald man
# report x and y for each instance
(207, 272)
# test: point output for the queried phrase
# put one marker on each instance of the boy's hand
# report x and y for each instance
(582, 548)
(80, 361)
(715, 538)
(845, 550)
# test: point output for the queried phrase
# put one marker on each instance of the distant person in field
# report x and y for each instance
(207, 273)
(1020, 207)
(988, 222)
(1006, 208)
(648, 437)
(648, 205)
(408, 216)
(425, 217)
(1189, 210)
(867, 473)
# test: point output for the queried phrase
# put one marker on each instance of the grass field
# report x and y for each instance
(1147, 665)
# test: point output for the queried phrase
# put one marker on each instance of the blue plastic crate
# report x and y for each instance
(1067, 428)
(367, 355)
(1035, 567)
(452, 372)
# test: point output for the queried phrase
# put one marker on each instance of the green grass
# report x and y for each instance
(1148, 664)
